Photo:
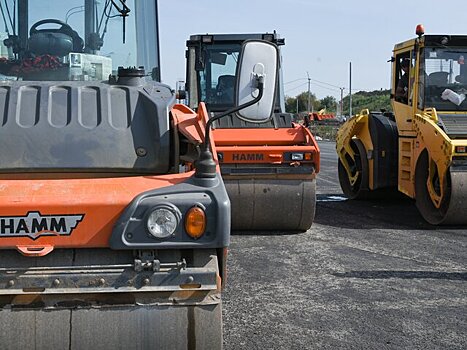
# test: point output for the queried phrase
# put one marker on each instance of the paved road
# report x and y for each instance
(367, 275)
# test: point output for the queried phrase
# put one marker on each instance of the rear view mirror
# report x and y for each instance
(258, 64)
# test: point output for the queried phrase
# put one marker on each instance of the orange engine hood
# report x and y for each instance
(68, 213)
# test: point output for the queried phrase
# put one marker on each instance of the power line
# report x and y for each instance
(314, 80)
(303, 84)
(354, 90)
(327, 88)
(336, 87)
(323, 82)
(296, 87)
(293, 81)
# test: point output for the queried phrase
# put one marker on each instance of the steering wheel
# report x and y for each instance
(64, 29)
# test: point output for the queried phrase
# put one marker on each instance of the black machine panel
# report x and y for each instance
(77, 126)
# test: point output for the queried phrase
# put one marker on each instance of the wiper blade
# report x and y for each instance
(124, 10)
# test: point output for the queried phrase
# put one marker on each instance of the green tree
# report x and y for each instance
(372, 100)
(329, 103)
(291, 103)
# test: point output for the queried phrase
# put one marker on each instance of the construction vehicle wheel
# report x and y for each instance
(136, 327)
(358, 190)
(454, 203)
(266, 204)
(425, 205)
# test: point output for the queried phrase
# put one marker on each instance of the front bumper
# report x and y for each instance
(176, 277)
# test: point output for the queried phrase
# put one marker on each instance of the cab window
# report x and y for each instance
(405, 76)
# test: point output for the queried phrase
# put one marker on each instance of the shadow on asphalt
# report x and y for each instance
(396, 212)
(264, 233)
(335, 210)
(451, 276)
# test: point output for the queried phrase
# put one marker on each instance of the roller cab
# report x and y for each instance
(420, 147)
(269, 168)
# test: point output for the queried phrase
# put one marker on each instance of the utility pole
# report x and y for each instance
(341, 109)
(309, 95)
(350, 89)
(297, 104)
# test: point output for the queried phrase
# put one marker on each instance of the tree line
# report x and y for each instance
(372, 100)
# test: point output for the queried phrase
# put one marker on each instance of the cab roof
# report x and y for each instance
(228, 38)
(434, 40)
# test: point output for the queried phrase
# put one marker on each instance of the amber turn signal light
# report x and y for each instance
(195, 222)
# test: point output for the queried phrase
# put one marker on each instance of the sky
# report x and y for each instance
(321, 36)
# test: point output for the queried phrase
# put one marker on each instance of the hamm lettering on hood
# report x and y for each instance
(247, 156)
(34, 225)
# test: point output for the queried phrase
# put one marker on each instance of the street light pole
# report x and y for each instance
(308, 100)
(341, 109)
(350, 89)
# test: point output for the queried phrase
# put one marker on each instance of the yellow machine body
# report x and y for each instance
(420, 148)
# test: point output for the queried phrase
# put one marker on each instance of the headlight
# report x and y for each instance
(162, 222)
(297, 156)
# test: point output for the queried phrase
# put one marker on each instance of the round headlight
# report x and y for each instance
(162, 222)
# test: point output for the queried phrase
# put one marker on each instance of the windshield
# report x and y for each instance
(217, 79)
(444, 75)
(75, 39)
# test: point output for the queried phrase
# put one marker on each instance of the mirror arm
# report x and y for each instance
(205, 166)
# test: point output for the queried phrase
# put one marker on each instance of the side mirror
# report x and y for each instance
(258, 64)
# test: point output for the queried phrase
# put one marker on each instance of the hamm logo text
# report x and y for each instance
(247, 156)
(34, 225)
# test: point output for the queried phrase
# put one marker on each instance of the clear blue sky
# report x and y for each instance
(322, 36)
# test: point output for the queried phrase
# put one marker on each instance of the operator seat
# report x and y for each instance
(438, 78)
(225, 89)
(436, 84)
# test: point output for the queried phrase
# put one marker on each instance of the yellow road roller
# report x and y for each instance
(419, 149)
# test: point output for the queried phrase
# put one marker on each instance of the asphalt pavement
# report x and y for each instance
(367, 275)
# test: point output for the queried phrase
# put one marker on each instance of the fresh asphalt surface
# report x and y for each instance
(367, 275)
